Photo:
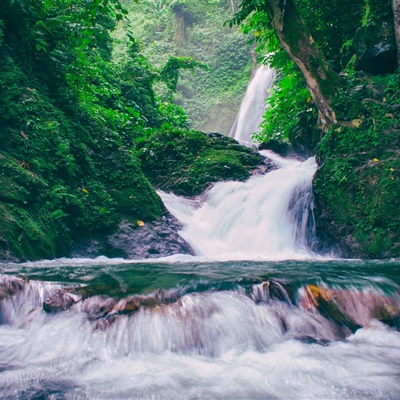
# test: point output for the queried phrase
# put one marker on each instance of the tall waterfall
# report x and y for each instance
(266, 217)
(253, 105)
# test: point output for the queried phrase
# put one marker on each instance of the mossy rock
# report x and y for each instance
(25, 235)
(361, 195)
(187, 162)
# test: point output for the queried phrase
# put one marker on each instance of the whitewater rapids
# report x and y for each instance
(199, 331)
(267, 217)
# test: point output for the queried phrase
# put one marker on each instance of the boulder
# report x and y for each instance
(60, 300)
(136, 240)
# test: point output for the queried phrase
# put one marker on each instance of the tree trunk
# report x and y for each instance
(396, 14)
(298, 43)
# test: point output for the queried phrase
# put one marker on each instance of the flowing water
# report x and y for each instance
(285, 324)
(254, 315)
(253, 105)
(200, 330)
(266, 217)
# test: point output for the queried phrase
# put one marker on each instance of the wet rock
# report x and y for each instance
(283, 149)
(60, 300)
(350, 308)
(266, 166)
(10, 285)
(159, 238)
(97, 307)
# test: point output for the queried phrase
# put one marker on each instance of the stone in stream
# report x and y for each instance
(136, 240)
(351, 308)
(10, 285)
(60, 300)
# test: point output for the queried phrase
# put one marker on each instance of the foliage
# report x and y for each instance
(187, 28)
(332, 23)
(170, 72)
(69, 117)
(288, 97)
(360, 171)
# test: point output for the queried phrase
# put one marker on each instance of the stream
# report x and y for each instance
(187, 329)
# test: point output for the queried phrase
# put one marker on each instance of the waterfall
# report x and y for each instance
(253, 105)
(222, 327)
(266, 217)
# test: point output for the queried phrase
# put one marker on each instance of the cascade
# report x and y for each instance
(252, 108)
(266, 217)
(208, 330)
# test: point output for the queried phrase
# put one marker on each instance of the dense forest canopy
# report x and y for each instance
(78, 111)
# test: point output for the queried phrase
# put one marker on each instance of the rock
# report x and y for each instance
(60, 300)
(188, 162)
(283, 149)
(376, 50)
(159, 238)
(350, 307)
(10, 285)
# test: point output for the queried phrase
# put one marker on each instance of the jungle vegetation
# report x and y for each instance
(337, 96)
(92, 95)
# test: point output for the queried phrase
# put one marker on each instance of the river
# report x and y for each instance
(187, 329)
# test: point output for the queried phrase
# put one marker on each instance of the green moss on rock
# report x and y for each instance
(187, 162)
(357, 186)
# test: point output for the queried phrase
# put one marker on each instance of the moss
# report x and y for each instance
(358, 181)
(187, 162)
(26, 234)
(62, 174)
(362, 193)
